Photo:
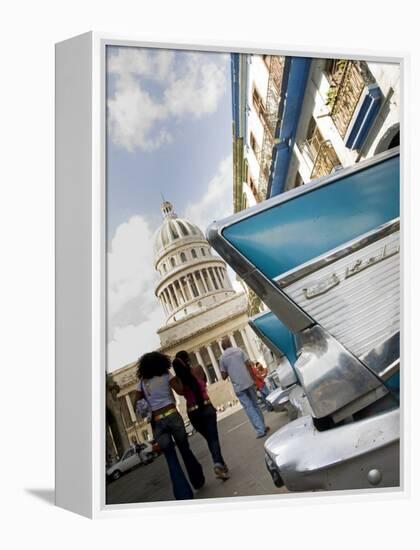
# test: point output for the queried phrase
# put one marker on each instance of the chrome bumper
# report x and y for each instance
(279, 397)
(357, 455)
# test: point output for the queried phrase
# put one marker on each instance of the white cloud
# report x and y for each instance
(130, 263)
(134, 312)
(141, 62)
(217, 202)
(190, 85)
(198, 88)
(131, 341)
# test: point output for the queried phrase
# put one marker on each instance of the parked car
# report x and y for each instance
(147, 450)
(129, 460)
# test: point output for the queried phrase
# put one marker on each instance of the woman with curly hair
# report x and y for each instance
(155, 385)
(200, 411)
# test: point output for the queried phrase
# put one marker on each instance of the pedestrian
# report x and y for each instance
(135, 445)
(200, 410)
(156, 385)
(259, 375)
(235, 364)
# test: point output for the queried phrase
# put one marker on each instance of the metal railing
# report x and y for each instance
(325, 160)
(311, 146)
(344, 95)
(270, 116)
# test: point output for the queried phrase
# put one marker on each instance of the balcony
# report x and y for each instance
(325, 160)
(354, 99)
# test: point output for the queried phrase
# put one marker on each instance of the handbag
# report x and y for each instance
(143, 407)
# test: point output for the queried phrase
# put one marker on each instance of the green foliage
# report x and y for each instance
(331, 95)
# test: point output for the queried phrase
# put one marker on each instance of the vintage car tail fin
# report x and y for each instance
(325, 258)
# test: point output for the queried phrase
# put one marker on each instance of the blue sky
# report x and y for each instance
(169, 129)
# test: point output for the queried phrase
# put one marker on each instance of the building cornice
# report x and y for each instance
(202, 330)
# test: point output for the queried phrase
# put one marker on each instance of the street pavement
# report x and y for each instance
(243, 453)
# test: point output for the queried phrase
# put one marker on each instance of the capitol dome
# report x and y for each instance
(174, 231)
(191, 277)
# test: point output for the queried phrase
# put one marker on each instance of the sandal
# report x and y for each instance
(221, 472)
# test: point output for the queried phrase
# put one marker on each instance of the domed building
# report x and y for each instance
(191, 277)
(198, 300)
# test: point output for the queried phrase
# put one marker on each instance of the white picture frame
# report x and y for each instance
(81, 277)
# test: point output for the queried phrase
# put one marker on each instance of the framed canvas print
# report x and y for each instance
(228, 274)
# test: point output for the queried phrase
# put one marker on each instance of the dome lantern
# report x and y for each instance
(167, 210)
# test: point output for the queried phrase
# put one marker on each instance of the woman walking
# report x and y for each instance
(155, 385)
(200, 411)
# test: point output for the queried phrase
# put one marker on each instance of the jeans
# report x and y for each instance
(204, 421)
(249, 401)
(167, 430)
(263, 393)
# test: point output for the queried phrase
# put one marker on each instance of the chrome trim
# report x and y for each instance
(299, 401)
(286, 374)
(331, 376)
(390, 370)
(339, 458)
(337, 253)
(361, 310)
(360, 403)
(384, 359)
(279, 397)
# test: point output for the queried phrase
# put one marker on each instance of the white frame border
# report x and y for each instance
(96, 409)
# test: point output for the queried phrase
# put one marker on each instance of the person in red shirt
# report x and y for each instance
(200, 410)
(259, 375)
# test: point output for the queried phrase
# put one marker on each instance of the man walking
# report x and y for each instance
(235, 364)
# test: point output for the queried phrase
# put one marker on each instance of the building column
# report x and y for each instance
(174, 296)
(201, 362)
(205, 285)
(220, 345)
(168, 292)
(130, 408)
(167, 304)
(181, 287)
(224, 278)
(251, 341)
(162, 300)
(196, 282)
(177, 294)
(211, 284)
(213, 271)
(189, 287)
(171, 301)
(232, 339)
(214, 362)
(216, 269)
(248, 347)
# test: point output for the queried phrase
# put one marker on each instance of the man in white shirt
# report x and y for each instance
(235, 364)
